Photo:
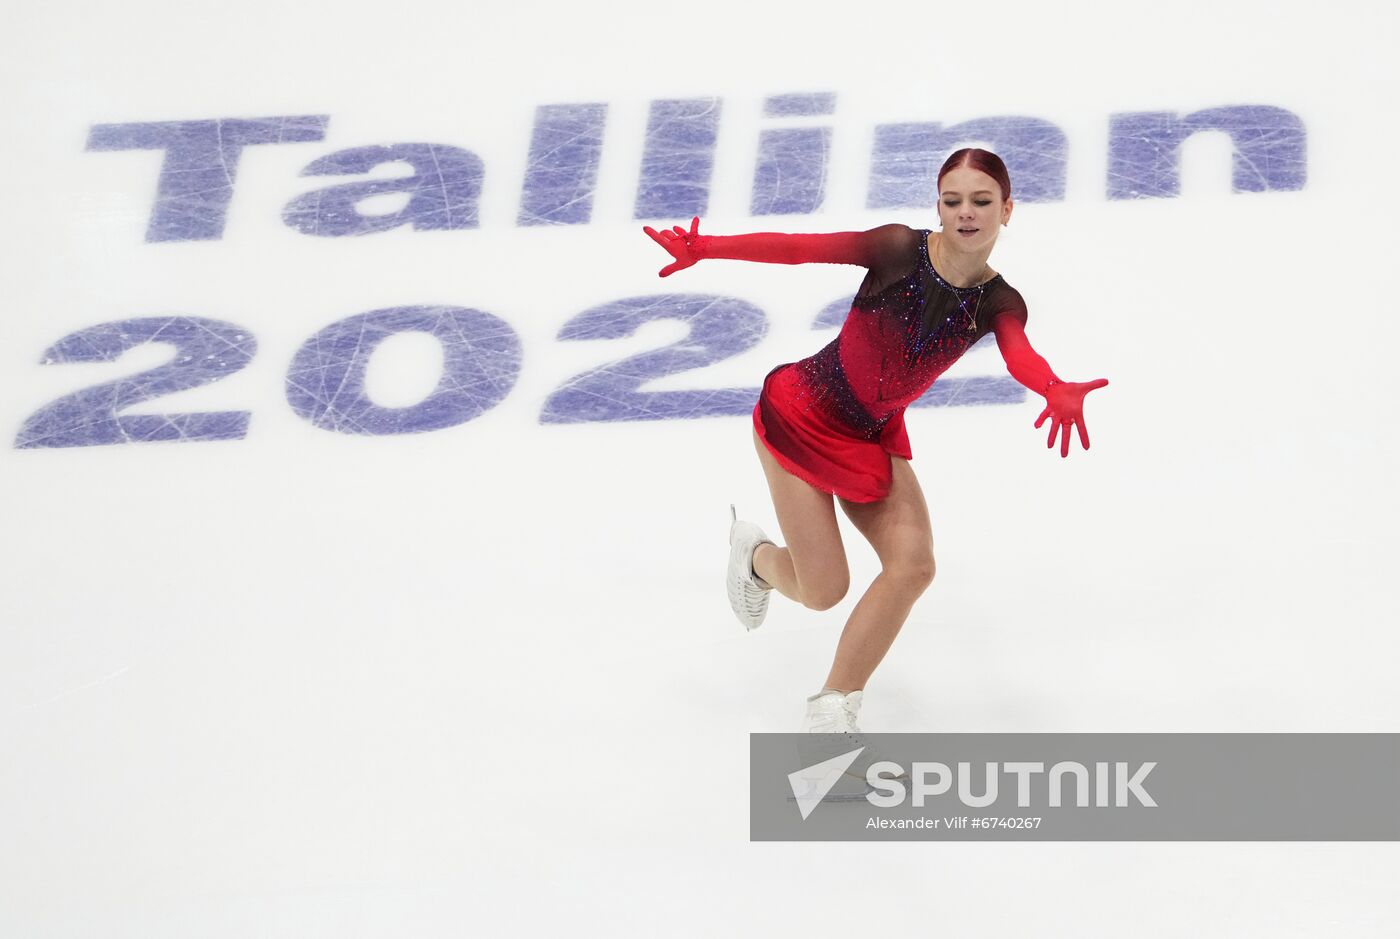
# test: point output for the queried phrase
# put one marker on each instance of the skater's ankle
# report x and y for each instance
(753, 567)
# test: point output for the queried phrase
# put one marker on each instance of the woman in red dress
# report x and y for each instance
(831, 426)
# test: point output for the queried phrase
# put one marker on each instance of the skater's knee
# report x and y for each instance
(825, 594)
(914, 570)
(822, 601)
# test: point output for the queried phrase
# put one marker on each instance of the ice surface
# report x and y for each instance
(285, 651)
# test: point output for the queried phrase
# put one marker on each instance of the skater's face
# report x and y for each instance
(970, 199)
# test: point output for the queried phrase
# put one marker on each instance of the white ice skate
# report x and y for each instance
(748, 594)
(831, 715)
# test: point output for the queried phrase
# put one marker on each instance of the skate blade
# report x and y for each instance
(847, 789)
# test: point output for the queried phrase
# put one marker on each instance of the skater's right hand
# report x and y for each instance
(679, 242)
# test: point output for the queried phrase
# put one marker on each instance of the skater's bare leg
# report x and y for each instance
(899, 530)
(811, 568)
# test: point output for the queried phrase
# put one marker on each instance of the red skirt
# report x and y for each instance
(821, 451)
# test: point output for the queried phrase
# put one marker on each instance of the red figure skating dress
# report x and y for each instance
(834, 418)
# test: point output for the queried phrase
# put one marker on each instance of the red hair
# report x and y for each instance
(984, 160)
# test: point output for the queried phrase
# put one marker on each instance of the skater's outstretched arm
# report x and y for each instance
(870, 249)
(1064, 400)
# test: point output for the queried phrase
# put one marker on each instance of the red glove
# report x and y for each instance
(1064, 400)
(677, 241)
(871, 249)
(1064, 405)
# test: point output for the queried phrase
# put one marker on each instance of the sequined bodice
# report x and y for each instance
(896, 341)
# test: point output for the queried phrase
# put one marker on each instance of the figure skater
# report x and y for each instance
(832, 424)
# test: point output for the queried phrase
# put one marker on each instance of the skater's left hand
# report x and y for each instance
(1064, 405)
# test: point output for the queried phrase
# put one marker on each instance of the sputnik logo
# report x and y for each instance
(815, 781)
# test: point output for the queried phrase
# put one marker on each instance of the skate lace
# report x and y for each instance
(754, 598)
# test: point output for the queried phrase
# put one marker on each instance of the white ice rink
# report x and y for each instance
(391, 631)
